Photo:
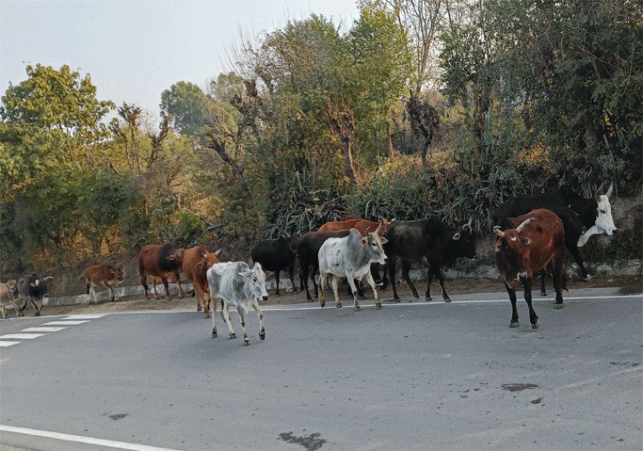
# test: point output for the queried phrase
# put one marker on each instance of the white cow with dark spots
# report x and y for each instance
(350, 257)
(237, 284)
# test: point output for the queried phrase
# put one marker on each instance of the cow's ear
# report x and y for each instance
(363, 241)
(247, 273)
(384, 240)
(456, 236)
(526, 241)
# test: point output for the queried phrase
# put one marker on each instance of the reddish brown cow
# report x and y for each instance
(362, 225)
(159, 262)
(537, 242)
(196, 262)
(8, 293)
(103, 275)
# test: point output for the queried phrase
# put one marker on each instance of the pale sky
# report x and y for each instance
(136, 49)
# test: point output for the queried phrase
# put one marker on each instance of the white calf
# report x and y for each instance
(236, 284)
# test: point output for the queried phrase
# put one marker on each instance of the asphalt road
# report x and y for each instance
(417, 376)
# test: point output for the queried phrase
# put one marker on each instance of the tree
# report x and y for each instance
(185, 103)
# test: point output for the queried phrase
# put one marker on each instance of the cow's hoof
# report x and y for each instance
(559, 306)
(338, 305)
(262, 335)
(516, 324)
(447, 299)
(543, 293)
(246, 342)
(232, 336)
(207, 315)
(198, 308)
(378, 306)
(396, 300)
(37, 314)
(357, 308)
(214, 334)
(535, 325)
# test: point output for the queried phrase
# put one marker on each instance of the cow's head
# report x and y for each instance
(119, 273)
(465, 240)
(510, 252)
(604, 222)
(256, 280)
(373, 242)
(12, 286)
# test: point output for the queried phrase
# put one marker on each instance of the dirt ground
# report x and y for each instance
(626, 284)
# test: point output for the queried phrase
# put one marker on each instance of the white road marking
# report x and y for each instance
(6, 344)
(65, 323)
(43, 329)
(20, 336)
(85, 316)
(81, 439)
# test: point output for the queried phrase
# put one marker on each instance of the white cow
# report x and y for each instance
(350, 257)
(236, 284)
(8, 294)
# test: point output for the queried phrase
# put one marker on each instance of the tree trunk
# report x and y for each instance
(219, 146)
(342, 121)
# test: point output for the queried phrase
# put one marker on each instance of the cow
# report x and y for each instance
(8, 293)
(307, 250)
(362, 225)
(350, 257)
(33, 288)
(160, 262)
(103, 275)
(536, 241)
(277, 255)
(236, 284)
(577, 213)
(196, 262)
(429, 242)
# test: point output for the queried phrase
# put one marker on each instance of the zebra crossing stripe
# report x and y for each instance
(31, 333)
(6, 344)
(66, 323)
(20, 336)
(43, 329)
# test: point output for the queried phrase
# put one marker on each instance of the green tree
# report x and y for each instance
(185, 103)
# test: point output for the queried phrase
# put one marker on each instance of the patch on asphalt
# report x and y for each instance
(518, 387)
(118, 416)
(311, 442)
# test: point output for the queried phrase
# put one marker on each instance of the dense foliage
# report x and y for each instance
(420, 107)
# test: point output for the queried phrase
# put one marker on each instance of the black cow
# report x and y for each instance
(430, 243)
(307, 250)
(577, 214)
(32, 288)
(277, 255)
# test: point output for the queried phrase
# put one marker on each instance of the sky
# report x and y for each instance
(136, 49)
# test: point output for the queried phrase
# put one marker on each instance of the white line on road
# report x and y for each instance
(64, 323)
(43, 329)
(6, 344)
(20, 336)
(80, 439)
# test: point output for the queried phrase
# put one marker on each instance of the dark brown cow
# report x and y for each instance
(537, 242)
(159, 262)
(356, 223)
(196, 262)
(103, 275)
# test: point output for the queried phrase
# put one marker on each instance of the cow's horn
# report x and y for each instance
(377, 231)
(498, 232)
(468, 224)
(609, 190)
(524, 223)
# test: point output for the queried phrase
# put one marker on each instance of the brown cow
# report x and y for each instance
(356, 223)
(103, 275)
(196, 262)
(537, 242)
(160, 262)
(8, 293)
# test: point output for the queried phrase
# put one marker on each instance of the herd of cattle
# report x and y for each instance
(532, 233)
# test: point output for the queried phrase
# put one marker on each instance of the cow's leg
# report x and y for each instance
(558, 273)
(92, 294)
(206, 301)
(322, 285)
(543, 276)
(514, 307)
(445, 296)
(371, 282)
(144, 283)
(4, 311)
(351, 282)
(178, 281)
(35, 305)
(334, 282)
(225, 312)
(262, 331)
(214, 314)
(573, 249)
(533, 318)
(391, 262)
(167, 288)
(277, 282)
(406, 267)
(429, 277)
(242, 319)
(112, 297)
(291, 275)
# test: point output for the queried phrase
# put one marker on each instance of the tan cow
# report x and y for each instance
(103, 275)
(8, 293)
(196, 262)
